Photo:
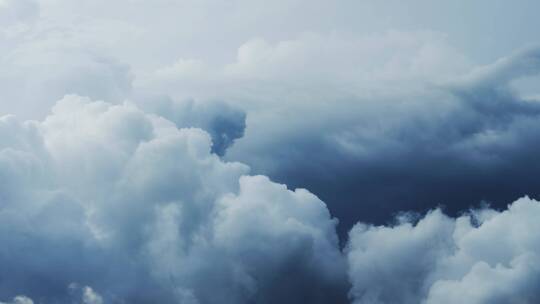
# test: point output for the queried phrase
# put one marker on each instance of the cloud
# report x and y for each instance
(20, 300)
(49, 70)
(371, 122)
(87, 296)
(85, 293)
(482, 257)
(146, 195)
(17, 16)
(327, 111)
(128, 203)
(225, 123)
(402, 143)
(313, 69)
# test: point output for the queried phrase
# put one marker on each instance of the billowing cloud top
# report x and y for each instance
(485, 257)
(121, 200)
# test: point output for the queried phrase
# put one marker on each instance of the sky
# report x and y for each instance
(292, 151)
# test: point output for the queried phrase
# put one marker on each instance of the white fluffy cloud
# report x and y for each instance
(485, 257)
(109, 185)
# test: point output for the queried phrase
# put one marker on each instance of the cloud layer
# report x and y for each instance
(121, 200)
(180, 176)
(373, 122)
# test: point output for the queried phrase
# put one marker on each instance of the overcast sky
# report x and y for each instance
(288, 151)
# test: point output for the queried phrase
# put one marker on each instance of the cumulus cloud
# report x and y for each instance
(128, 203)
(482, 257)
(143, 197)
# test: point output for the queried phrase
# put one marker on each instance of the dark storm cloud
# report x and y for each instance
(455, 144)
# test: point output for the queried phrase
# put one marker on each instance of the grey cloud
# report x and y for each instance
(224, 123)
(48, 71)
(454, 142)
(124, 201)
(345, 116)
(115, 196)
(14, 15)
